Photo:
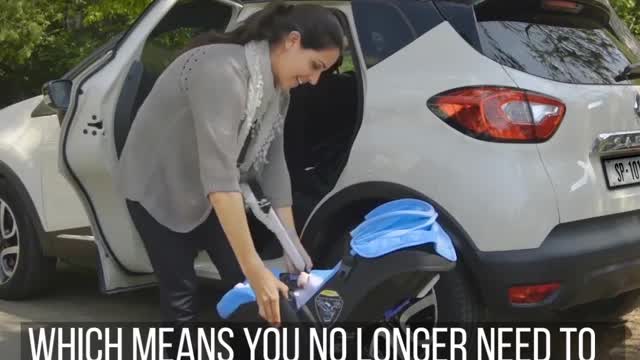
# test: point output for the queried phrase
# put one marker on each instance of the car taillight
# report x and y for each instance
(532, 294)
(571, 7)
(499, 113)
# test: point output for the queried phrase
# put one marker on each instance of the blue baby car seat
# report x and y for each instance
(395, 257)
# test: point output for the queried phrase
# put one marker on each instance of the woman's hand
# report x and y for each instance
(267, 289)
(230, 210)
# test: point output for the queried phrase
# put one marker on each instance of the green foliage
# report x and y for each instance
(161, 50)
(22, 26)
(41, 39)
(629, 12)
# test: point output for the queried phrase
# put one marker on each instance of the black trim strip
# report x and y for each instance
(359, 72)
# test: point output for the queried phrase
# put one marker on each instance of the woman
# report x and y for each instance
(226, 96)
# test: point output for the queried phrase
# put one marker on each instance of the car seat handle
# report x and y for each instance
(265, 213)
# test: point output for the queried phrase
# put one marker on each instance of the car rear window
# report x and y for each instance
(580, 47)
(386, 26)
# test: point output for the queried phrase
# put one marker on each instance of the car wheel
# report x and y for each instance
(24, 271)
(452, 302)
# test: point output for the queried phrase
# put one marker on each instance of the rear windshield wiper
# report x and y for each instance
(631, 72)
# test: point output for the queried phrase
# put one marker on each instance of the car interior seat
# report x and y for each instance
(318, 129)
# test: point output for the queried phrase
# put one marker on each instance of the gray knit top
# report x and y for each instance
(187, 136)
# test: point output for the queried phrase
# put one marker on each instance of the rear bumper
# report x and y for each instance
(593, 260)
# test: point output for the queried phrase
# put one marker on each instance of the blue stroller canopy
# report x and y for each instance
(400, 224)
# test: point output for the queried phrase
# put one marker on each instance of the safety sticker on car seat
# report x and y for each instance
(328, 306)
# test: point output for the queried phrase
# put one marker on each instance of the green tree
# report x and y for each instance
(41, 39)
(629, 12)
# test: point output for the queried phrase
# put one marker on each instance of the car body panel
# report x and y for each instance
(62, 207)
(20, 137)
(88, 159)
(575, 169)
(29, 147)
(403, 142)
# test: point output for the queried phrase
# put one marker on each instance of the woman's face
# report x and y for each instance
(293, 65)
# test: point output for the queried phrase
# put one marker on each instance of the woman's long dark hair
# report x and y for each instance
(318, 26)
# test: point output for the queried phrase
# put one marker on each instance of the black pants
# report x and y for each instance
(172, 256)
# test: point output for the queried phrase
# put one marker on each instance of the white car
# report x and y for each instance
(518, 123)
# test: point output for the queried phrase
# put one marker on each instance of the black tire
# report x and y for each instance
(32, 271)
(458, 302)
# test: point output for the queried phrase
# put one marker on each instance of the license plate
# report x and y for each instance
(623, 171)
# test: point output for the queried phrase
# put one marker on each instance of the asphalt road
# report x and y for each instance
(76, 299)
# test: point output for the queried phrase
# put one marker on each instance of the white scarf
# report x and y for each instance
(269, 116)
